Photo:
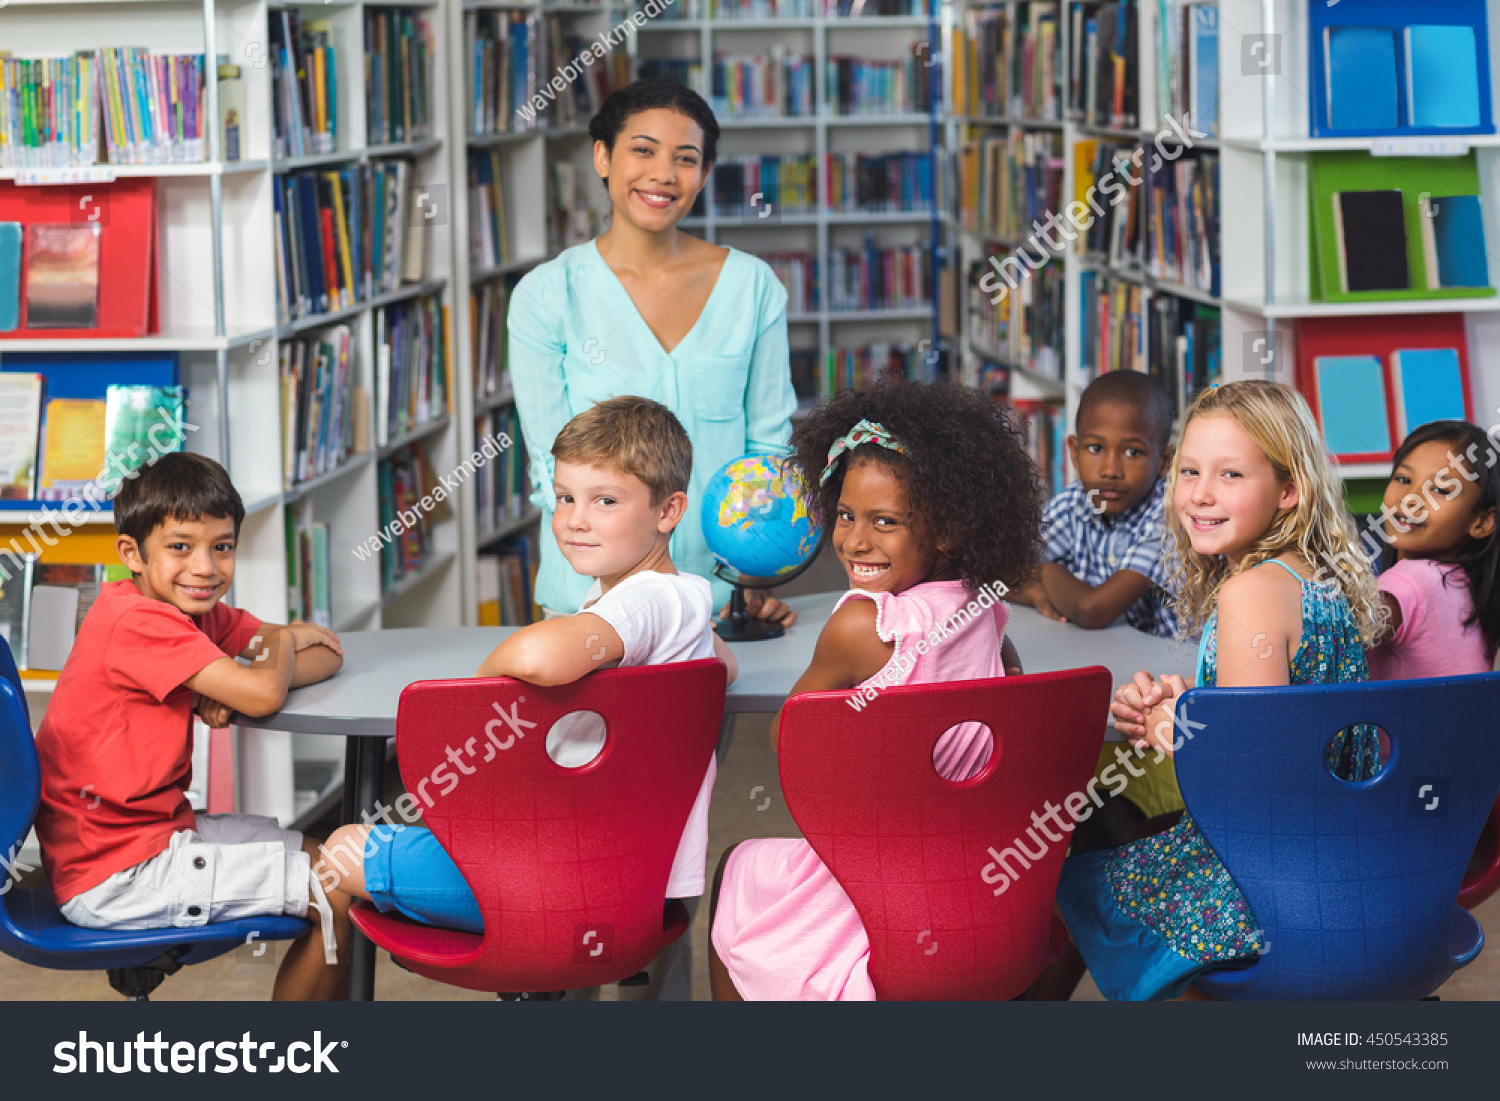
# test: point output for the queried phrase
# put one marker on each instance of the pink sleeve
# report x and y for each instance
(1405, 585)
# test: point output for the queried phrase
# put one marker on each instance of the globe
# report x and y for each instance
(754, 519)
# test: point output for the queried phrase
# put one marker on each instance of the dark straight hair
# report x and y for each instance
(1480, 558)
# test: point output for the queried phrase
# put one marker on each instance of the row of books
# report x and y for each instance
(862, 86)
(1419, 76)
(1117, 235)
(1026, 327)
(768, 184)
(798, 272)
(1124, 327)
(1010, 59)
(1187, 65)
(487, 241)
(502, 71)
(304, 73)
(487, 309)
(501, 488)
(325, 417)
(851, 368)
(345, 235)
(43, 604)
(505, 583)
(411, 366)
(402, 481)
(872, 278)
(591, 83)
(307, 596)
(52, 448)
(1182, 224)
(1044, 429)
(571, 219)
(1372, 251)
(776, 86)
(148, 107)
(398, 76)
(1009, 181)
(1103, 77)
(879, 182)
(728, 10)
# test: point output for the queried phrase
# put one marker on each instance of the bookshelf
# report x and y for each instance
(219, 315)
(1048, 131)
(910, 120)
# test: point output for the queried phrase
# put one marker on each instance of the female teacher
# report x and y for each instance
(646, 309)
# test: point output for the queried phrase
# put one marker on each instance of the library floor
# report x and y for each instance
(735, 815)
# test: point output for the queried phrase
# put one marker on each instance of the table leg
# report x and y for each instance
(726, 735)
(364, 782)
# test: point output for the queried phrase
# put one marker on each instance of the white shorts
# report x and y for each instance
(231, 866)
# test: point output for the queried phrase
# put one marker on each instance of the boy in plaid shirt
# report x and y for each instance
(1102, 535)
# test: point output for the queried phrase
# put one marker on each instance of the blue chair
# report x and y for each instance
(1354, 885)
(31, 927)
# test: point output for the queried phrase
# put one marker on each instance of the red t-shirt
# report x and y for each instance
(120, 726)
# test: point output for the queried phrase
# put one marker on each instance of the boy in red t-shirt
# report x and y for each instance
(120, 843)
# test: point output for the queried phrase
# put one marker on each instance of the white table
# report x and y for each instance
(360, 702)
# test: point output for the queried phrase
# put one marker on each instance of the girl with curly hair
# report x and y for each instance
(1251, 486)
(929, 498)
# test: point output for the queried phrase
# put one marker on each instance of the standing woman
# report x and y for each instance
(646, 309)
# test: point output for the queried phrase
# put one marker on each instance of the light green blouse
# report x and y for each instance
(576, 338)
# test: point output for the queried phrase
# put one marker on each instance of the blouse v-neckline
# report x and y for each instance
(697, 321)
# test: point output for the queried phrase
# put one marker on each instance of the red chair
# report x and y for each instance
(910, 848)
(569, 866)
(1483, 876)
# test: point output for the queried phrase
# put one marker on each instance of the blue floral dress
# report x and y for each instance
(1150, 916)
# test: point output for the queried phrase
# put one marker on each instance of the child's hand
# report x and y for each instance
(1045, 606)
(760, 604)
(1161, 720)
(1132, 702)
(307, 635)
(215, 715)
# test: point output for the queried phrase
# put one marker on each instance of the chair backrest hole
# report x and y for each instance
(1359, 752)
(576, 739)
(962, 750)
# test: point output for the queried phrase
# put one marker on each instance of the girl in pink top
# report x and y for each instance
(1441, 585)
(930, 500)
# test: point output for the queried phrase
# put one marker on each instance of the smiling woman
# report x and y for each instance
(648, 310)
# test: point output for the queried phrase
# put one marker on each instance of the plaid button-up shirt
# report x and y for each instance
(1093, 549)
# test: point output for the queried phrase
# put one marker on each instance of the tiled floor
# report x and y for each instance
(747, 780)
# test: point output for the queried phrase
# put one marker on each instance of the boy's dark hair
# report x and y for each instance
(1130, 388)
(965, 472)
(647, 95)
(177, 486)
(636, 435)
(1480, 558)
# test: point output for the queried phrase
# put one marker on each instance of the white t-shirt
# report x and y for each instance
(660, 617)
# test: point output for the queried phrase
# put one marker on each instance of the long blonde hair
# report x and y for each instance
(1318, 526)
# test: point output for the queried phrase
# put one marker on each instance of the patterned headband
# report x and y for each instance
(862, 433)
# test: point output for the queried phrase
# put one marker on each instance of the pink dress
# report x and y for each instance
(785, 929)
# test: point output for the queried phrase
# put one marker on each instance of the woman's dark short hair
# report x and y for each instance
(648, 95)
(178, 486)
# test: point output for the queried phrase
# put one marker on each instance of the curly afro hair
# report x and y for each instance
(971, 485)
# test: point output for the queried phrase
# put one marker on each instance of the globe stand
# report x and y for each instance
(739, 625)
